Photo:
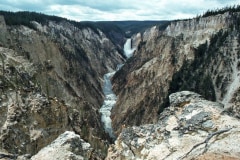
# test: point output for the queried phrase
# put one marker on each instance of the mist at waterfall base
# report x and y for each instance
(110, 97)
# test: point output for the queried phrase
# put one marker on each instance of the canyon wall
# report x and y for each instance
(199, 55)
(51, 82)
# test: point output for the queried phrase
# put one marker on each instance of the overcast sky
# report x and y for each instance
(95, 10)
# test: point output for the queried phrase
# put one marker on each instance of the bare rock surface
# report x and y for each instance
(190, 128)
(67, 146)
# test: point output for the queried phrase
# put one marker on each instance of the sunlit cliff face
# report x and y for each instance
(198, 55)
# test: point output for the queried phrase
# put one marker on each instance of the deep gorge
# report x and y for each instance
(55, 75)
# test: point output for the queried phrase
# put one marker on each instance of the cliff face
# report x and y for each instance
(200, 55)
(190, 128)
(51, 82)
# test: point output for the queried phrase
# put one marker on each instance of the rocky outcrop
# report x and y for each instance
(67, 146)
(199, 55)
(190, 128)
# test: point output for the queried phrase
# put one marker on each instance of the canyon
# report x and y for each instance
(81, 91)
(110, 97)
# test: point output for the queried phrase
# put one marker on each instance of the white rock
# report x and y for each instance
(64, 147)
(195, 127)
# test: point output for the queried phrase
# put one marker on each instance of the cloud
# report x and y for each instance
(94, 10)
(24, 5)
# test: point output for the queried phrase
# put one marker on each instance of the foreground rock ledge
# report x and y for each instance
(67, 146)
(191, 128)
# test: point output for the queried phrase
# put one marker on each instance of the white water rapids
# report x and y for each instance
(110, 97)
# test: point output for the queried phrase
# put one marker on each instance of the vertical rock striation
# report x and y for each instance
(198, 55)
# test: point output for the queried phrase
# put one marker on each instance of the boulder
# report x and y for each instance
(67, 146)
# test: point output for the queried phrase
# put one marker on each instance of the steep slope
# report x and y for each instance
(51, 82)
(200, 55)
(29, 119)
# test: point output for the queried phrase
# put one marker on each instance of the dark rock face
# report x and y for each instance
(199, 55)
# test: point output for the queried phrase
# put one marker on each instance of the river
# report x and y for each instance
(110, 97)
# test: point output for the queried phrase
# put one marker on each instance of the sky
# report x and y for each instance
(106, 10)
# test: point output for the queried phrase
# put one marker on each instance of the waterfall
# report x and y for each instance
(110, 97)
(128, 50)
